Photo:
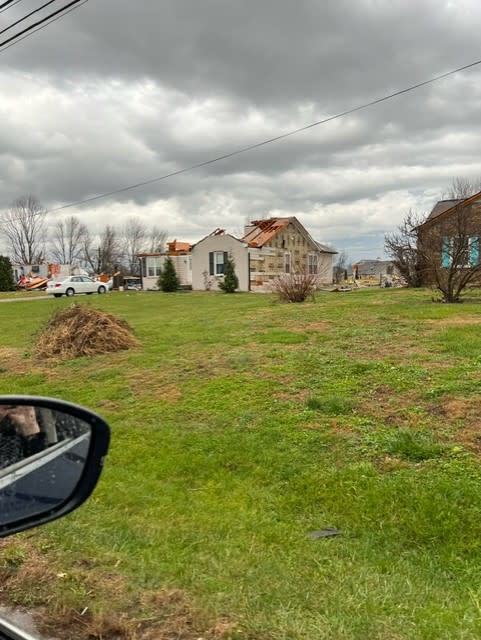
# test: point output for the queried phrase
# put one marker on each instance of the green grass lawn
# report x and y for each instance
(239, 426)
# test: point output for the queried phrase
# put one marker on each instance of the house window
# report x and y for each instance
(460, 251)
(153, 266)
(217, 262)
(287, 262)
(312, 263)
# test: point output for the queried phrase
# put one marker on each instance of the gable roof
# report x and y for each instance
(442, 206)
(260, 232)
(372, 265)
(218, 232)
(445, 207)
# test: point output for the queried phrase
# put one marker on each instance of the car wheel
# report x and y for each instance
(70, 292)
(101, 289)
(57, 295)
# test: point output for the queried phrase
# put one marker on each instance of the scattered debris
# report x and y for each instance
(325, 533)
(83, 331)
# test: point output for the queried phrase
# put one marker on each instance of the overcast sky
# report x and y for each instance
(118, 92)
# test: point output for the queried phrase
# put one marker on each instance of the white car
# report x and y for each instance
(75, 284)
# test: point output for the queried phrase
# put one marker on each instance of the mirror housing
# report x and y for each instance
(51, 457)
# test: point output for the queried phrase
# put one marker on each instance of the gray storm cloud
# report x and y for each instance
(117, 92)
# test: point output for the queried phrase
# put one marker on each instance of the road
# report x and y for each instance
(29, 298)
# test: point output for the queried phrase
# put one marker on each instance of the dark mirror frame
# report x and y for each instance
(99, 444)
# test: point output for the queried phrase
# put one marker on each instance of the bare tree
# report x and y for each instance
(24, 227)
(156, 240)
(340, 268)
(461, 188)
(450, 253)
(109, 252)
(402, 247)
(68, 240)
(135, 237)
(89, 255)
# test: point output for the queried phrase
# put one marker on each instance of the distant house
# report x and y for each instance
(374, 271)
(151, 264)
(268, 249)
(450, 233)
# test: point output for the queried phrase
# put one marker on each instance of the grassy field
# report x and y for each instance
(241, 425)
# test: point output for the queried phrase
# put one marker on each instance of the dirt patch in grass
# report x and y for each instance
(395, 351)
(18, 362)
(454, 408)
(84, 601)
(462, 414)
(470, 437)
(380, 402)
(455, 321)
(391, 408)
(300, 396)
(309, 326)
(13, 361)
(166, 393)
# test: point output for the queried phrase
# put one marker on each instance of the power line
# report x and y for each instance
(14, 24)
(51, 18)
(43, 26)
(282, 136)
(9, 7)
(5, 4)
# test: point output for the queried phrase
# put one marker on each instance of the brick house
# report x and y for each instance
(450, 237)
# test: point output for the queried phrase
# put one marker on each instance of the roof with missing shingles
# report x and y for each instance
(442, 206)
(262, 231)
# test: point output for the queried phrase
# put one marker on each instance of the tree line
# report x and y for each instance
(30, 240)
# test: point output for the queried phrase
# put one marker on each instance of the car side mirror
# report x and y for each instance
(51, 457)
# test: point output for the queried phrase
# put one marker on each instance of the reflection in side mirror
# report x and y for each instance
(50, 459)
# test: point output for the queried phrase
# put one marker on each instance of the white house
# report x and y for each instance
(209, 257)
(151, 265)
